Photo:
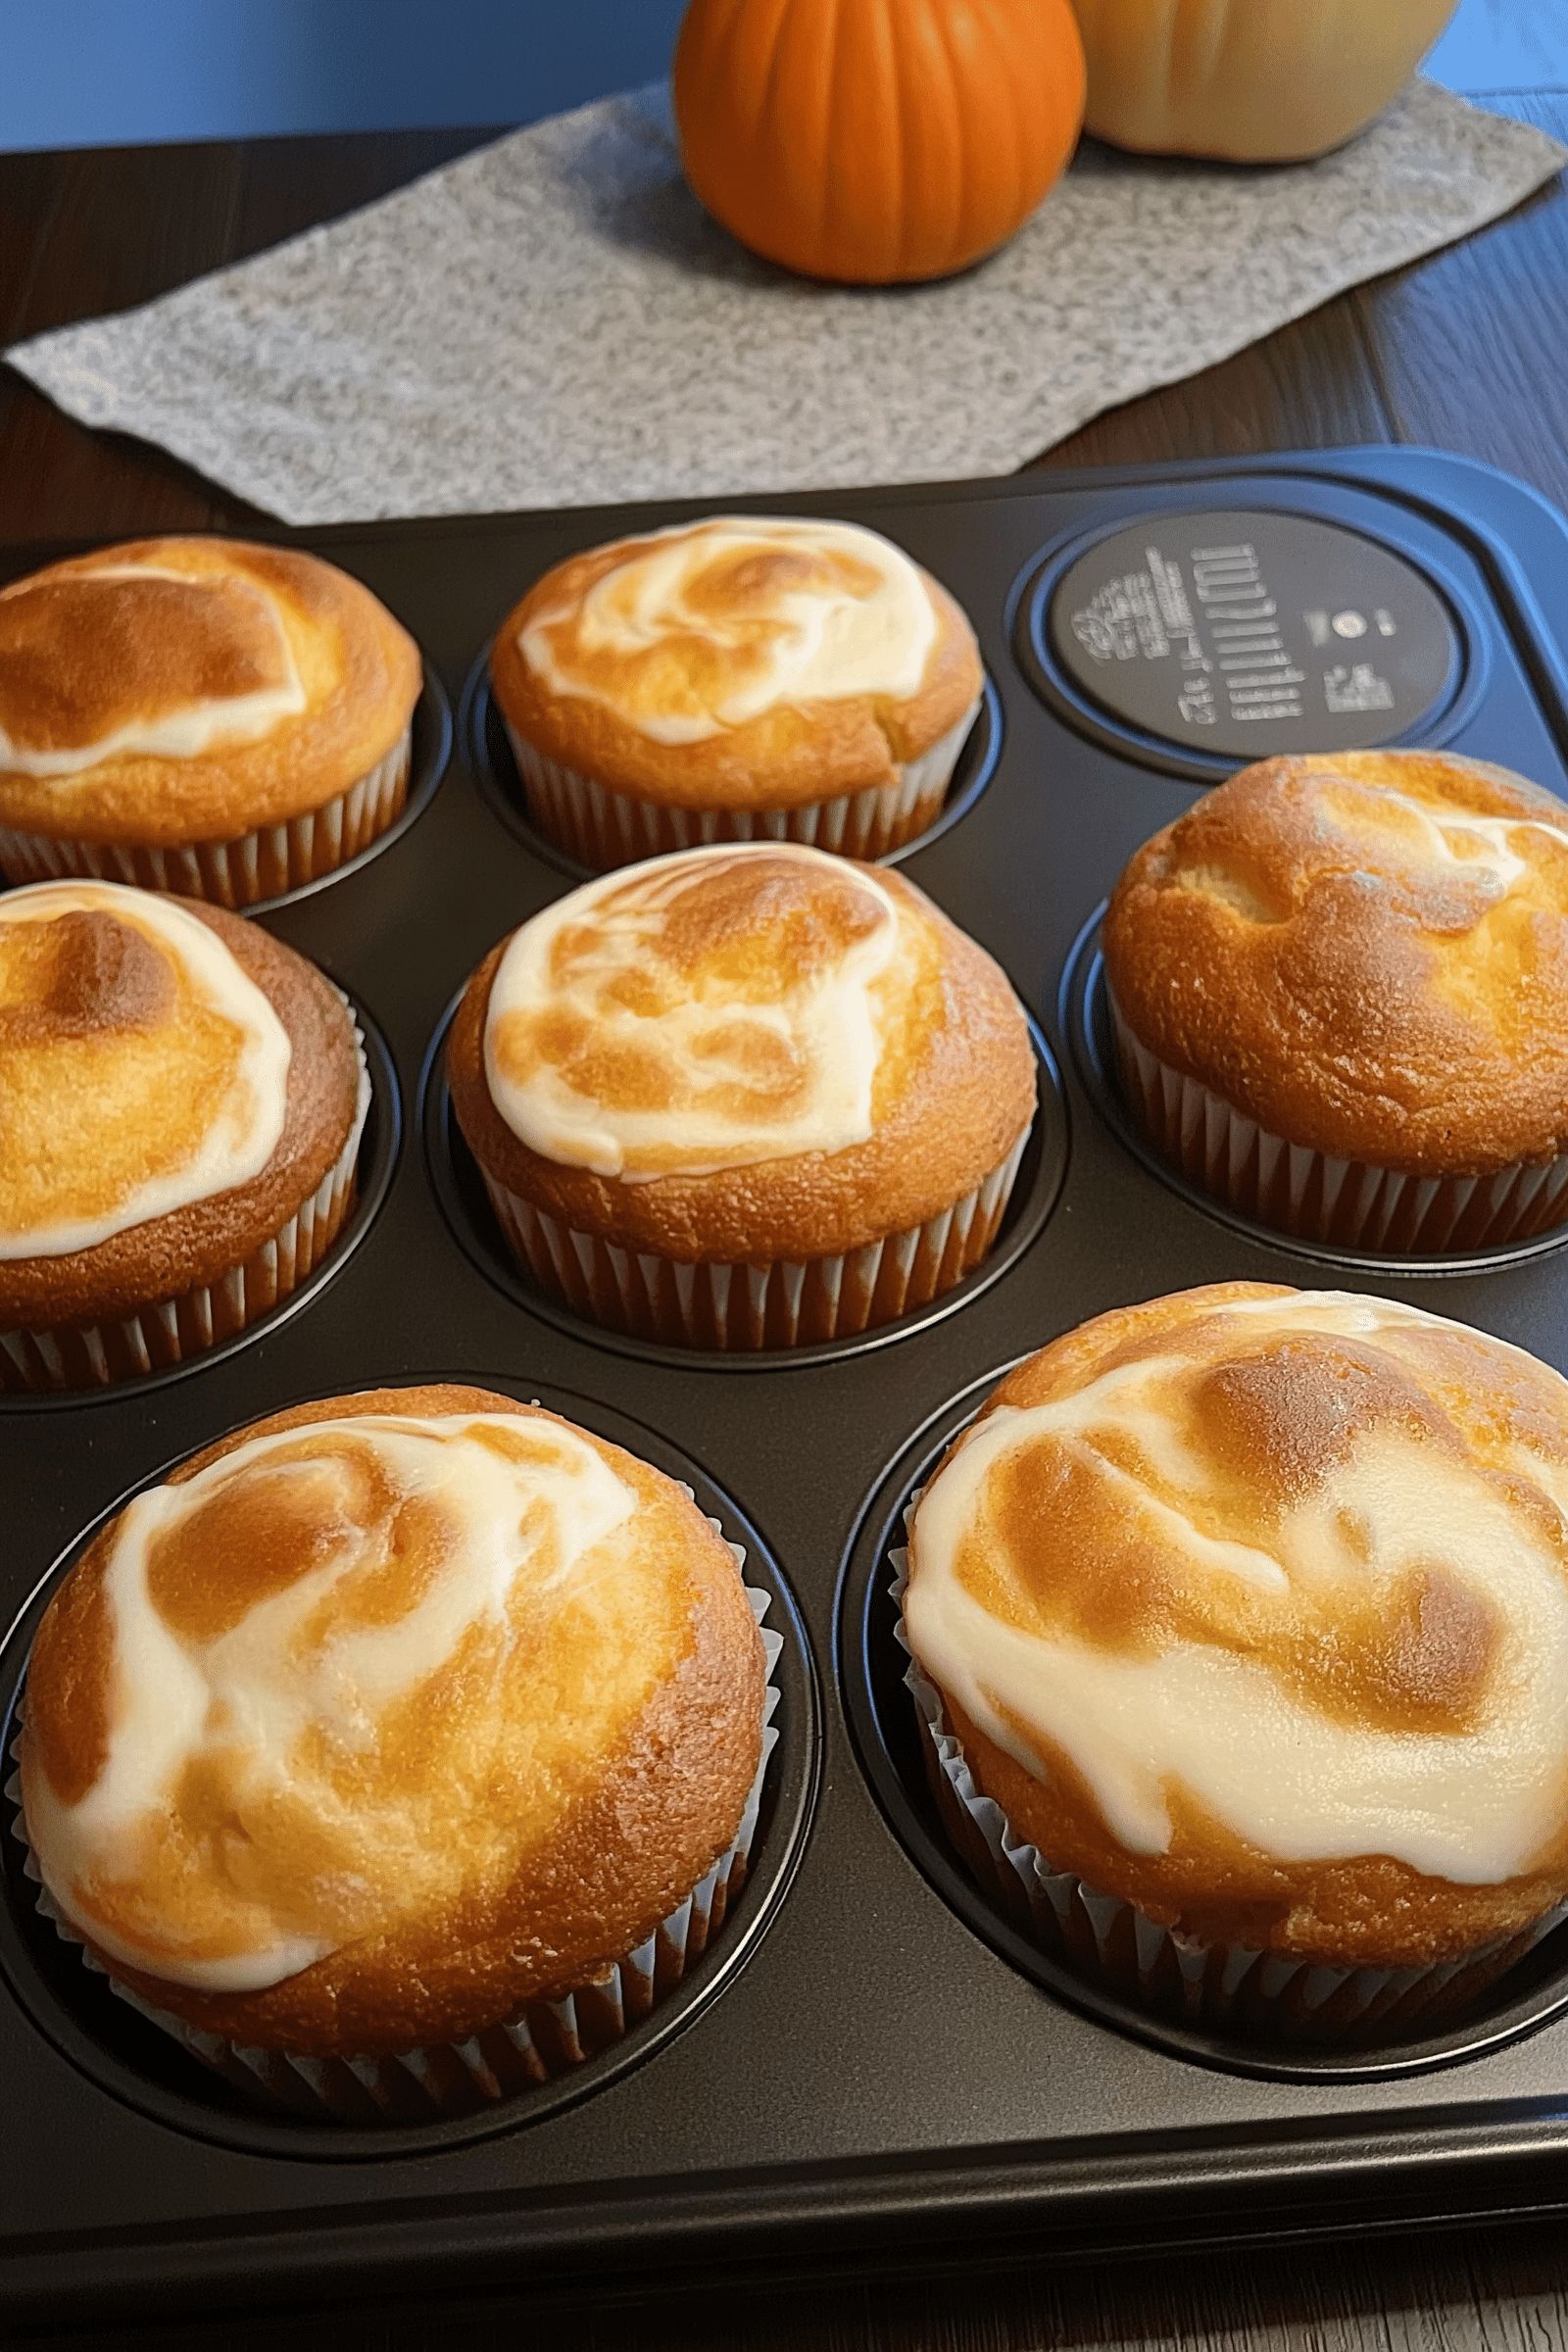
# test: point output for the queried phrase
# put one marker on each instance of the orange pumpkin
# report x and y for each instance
(872, 140)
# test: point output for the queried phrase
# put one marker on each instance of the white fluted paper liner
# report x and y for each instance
(230, 873)
(603, 828)
(1316, 1196)
(544, 2040)
(1111, 1944)
(778, 1303)
(95, 1355)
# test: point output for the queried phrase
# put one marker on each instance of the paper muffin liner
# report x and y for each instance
(603, 828)
(777, 1303)
(1318, 1197)
(230, 873)
(170, 1331)
(1111, 1944)
(538, 2042)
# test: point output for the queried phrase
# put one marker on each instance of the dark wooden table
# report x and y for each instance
(1466, 352)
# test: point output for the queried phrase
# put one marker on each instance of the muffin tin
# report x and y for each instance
(868, 2066)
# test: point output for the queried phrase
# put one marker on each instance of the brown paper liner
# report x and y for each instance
(170, 1330)
(1110, 1942)
(230, 873)
(778, 1303)
(537, 2042)
(1318, 1197)
(603, 828)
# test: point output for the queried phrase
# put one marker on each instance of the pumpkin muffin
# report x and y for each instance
(1239, 1622)
(398, 1750)
(199, 716)
(1340, 992)
(182, 1100)
(735, 680)
(745, 1097)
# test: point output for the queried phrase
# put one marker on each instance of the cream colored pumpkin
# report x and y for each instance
(1252, 80)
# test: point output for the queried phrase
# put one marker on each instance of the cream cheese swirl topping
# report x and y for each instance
(140, 1068)
(702, 1011)
(1268, 1579)
(1446, 846)
(135, 660)
(273, 1623)
(701, 630)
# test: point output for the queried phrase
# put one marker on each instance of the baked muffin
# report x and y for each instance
(398, 1749)
(1247, 1610)
(181, 1099)
(744, 1096)
(199, 716)
(744, 678)
(1340, 991)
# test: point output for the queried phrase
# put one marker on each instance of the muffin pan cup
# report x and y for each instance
(530, 2064)
(1228, 2008)
(1168, 1128)
(1272, 1997)
(777, 1303)
(239, 874)
(1315, 1197)
(603, 828)
(540, 2041)
(875, 2061)
(669, 1311)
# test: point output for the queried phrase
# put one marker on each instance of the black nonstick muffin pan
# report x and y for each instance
(870, 2066)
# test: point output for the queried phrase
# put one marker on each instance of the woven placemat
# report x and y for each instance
(554, 320)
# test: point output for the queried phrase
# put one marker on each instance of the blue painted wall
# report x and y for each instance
(1501, 45)
(94, 72)
(90, 72)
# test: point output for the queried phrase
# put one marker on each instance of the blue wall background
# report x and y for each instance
(94, 72)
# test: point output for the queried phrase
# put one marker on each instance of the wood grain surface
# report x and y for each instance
(105, 228)
(1467, 352)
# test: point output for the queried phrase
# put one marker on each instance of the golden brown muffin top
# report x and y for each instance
(174, 1084)
(1366, 951)
(387, 1714)
(179, 690)
(751, 1050)
(746, 662)
(1253, 1605)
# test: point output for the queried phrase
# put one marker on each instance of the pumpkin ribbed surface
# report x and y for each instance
(875, 140)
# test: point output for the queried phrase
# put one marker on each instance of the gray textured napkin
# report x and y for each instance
(554, 321)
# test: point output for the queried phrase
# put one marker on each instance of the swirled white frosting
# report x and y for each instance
(274, 1704)
(184, 728)
(1444, 843)
(1226, 1717)
(703, 628)
(105, 1124)
(701, 1011)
